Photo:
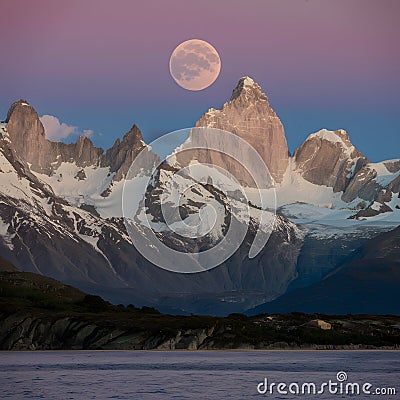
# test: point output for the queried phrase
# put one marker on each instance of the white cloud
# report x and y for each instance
(56, 130)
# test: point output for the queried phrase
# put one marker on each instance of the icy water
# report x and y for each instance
(189, 375)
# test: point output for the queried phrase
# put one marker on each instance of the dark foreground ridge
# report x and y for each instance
(40, 313)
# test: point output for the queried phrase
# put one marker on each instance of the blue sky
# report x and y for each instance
(103, 66)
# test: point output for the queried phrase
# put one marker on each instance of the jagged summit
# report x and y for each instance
(249, 88)
(121, 155)
(249, 115)
(329, 158)
(27, 135)
(29, 143)
(339, 135)
(18, 103)
(61, 212)
(247, 81)
(134, 135)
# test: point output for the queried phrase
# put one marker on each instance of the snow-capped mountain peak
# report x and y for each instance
(329, 158)
(249, 90)
(248, 81)
(249, 115)
(338, 136)
(61, 211)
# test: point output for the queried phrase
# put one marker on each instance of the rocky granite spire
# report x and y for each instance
(26, 133)
(249, 115)
(121, 155)
(328, 158)
(29, 142)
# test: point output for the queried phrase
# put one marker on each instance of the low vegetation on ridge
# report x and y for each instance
(37, 312)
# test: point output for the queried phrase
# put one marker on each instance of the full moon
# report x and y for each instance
(195, 64)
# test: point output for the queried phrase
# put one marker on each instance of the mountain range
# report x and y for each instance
(61, 216)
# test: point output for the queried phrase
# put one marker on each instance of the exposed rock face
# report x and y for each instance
(121, 155)
(28, 138)
(394, 187)
(75, 242)
(30, 144)
(377, 184)
(23, 332)
(46, 234)
(363, 185)
(39, 313)
(372, 211)
(80, 175)
(392, 165)
(328, 158)
(58, 316)
(375, 266)
(83, 152)
(249, 115)
(320, 324)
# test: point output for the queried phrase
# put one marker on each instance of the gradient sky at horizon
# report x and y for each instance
(102, 65)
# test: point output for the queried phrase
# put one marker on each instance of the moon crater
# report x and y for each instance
(195, 64)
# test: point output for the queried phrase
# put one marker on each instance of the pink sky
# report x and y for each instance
(86, 61)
